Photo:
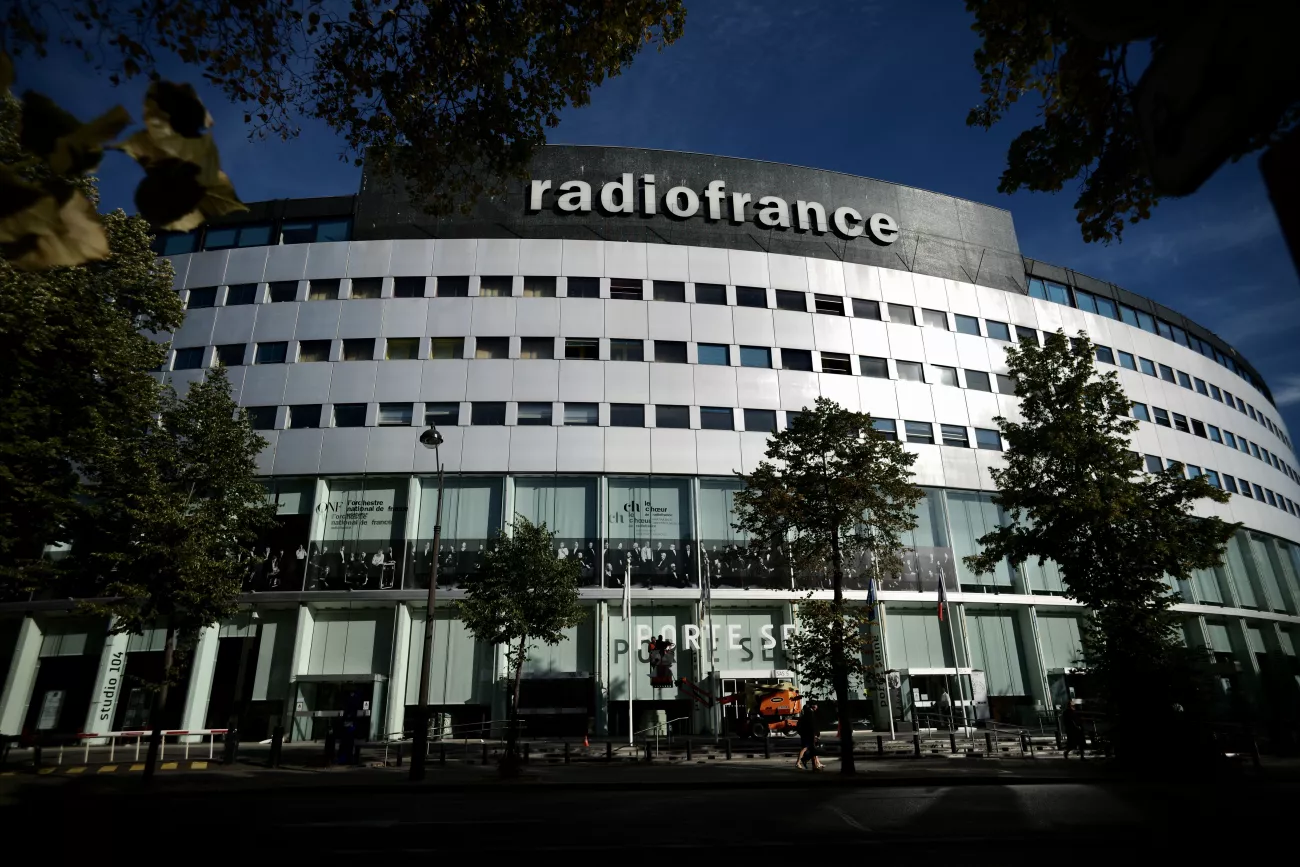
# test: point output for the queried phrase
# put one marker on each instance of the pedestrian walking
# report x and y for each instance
(808, 735)
(1073, 728)
(945, 708)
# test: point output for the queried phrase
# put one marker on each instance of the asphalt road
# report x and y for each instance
(1059, 821)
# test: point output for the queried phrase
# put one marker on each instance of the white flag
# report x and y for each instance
(627, 594)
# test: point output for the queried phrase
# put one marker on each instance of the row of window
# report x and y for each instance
(1046, 290)
(1238, 485)
(254, 235)
(1204, 430)
(573, 414)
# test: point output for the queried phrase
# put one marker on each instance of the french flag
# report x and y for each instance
(943, 597)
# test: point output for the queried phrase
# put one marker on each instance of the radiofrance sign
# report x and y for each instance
(625, 196)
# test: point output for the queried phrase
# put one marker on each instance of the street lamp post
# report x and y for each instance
(430, 439)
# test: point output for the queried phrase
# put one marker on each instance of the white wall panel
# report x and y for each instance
(914, 402)
(406, 317)
(497, 256)
(449, 452)
(582, 317)
(398, 381)
(788, 272)
(625, 259)
(949, 405)
(353, 382)
(196, 328)
(533, 449)
(833, 334)
(454, 257)
(582, 381)
(536, 380)
(368, 259)
(410, 258)
(495, 317)
(708, 265)
(825, 276)
(962, 298)
(263, 385)
(862, 281)
(580, 450)
(711, 323)
(878, 397)
(940, 347)
(757, 388)
(627, 382)
(670, 321)
(328, 259)
(362, 317)
(626, 319)
(870, 337)
(627, 450)
(841, 389)
(392, 449)
(748, 268)
(583, 259)
(664, 262)
(492, 379)
(896, 287)
(718, 452)
(793, 330)
(317, 320)
(275, 322)
(487, 449)
(714, 385)
(541, 257)
(931, 292)
(752, 327)
(297, 452)
(207, 269)
(307, 383)
(443, 380)
(905, 342)
(672, 451)
(798, 388)
(246, 265)
(448, 317)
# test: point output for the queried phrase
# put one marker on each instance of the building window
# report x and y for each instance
(323, 290)
(1006, 384)
(669, 290)
(271, 353)
(1161, 417)
(751, 296)
(1155, 464)
(998, 330)
(1140, 412)
(791, 416)
(314, 350)
(716, 418)
(1199, 429)
(1251, 410)
(1177, 466)
(796, 359)
(710, 293)
(886, 427)
(487, 412)
(1024, 334)
(668, 415)
(581, 414)
(261, 417)
(872, 366)
(394, 415)
(534, 414)
(583, 287)
(1184, 380)
(1180, 423)
(865, 309)
(175, 243)
(495, 287)
(349, 415)
(537, 347)
(283, 291)
(316, 231)
(626, 415)
(626, 290)
(225, 237)
(1259, 492)
(1245, 488)
(671, 351)
(835, 362)
(955, 435)
(626, 350)
(366, 288)
(359, 349)
(442, 414)
(902, 314)
(447, 347)
(230, 354)
(988, 439)
(539, 287)
(408, 287)
(978, 380)
(755, 356)
(1216, 394)
(491, 347)
(1213, 478)
(402, 348)
(201, 298)
(1127, 360)
(1215, 435)
(241, 293)
(787, 300)
(452, 287)
(934, 318)
(1202, 388)
(712, 353)
(831, 305)
(763, 420)
(919, 432)
(1104, 355)
(1167, 373)
(911, 371)
(966, 324)
(188, 359)
(304, 416)
(946, 375)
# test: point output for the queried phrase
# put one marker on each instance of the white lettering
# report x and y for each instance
(690, 637)
(808, 211)
(623, 189)
(648, 197)
(713, 635)
(738, 202)
(714, 194)
(843, 226)
(883, 228)
(670, 632)
(643, 634)
(773, 212)
(769, 640)
(535, 194)
(733, 636)
(672, 202)
(576, 196)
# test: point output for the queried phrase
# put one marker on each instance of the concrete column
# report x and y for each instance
(1027, 620)
(21, 677)
(197, 692)
(396, 713)
(301, 655)
(108, 685)
(602, 667)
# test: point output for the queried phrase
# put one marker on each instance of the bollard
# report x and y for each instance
(688, 750)
(916, 746)
(36, 755)
(988, 743)
(1058, 733)
(329, 746)
(648, 757)
(1024, 743)
(609, 751)
(442, 753)
(485, 752)
(728, 749)
(566, 752)
(399, 754)
(767, 748)
(880, 746)
(952, 741)
(277, 746)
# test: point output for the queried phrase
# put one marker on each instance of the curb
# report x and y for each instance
(114, 769)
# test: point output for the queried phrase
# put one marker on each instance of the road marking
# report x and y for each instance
(849, 820)
(106, 769)
(47, 770)
(77, 770)
(198, 766)
(168, 766)
(138, 767)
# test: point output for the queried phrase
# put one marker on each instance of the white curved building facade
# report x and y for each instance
(612, 388)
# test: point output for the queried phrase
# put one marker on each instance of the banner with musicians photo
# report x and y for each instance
(359, 536)
(278, 562)
(472, 509)
(648, 533)
(568, 505)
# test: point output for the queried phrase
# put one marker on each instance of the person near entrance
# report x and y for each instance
(945, 708)
(808, 734)
(1073, 729)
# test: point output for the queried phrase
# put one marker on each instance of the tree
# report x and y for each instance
(523, 593)
(76, 353)
(832, 490)
(819, 620)
(1082, 62)
(443, 93)
(172, 510)
(1075, 494)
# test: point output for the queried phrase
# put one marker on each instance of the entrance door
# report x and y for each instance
(325, 704)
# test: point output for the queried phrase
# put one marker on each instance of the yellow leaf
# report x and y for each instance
(50, 235)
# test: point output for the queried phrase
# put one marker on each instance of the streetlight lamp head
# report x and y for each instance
(431, 439)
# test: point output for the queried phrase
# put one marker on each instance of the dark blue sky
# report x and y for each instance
(875, 89)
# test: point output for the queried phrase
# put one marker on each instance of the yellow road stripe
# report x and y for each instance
(198, 766)
(168, 766)
(77, 770)
(139, 767)
(107, 769)
(47, 770)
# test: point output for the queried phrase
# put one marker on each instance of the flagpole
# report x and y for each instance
(627, 616)
(961, 687)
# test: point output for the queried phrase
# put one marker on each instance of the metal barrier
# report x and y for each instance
(140, 737)
(467, 733)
